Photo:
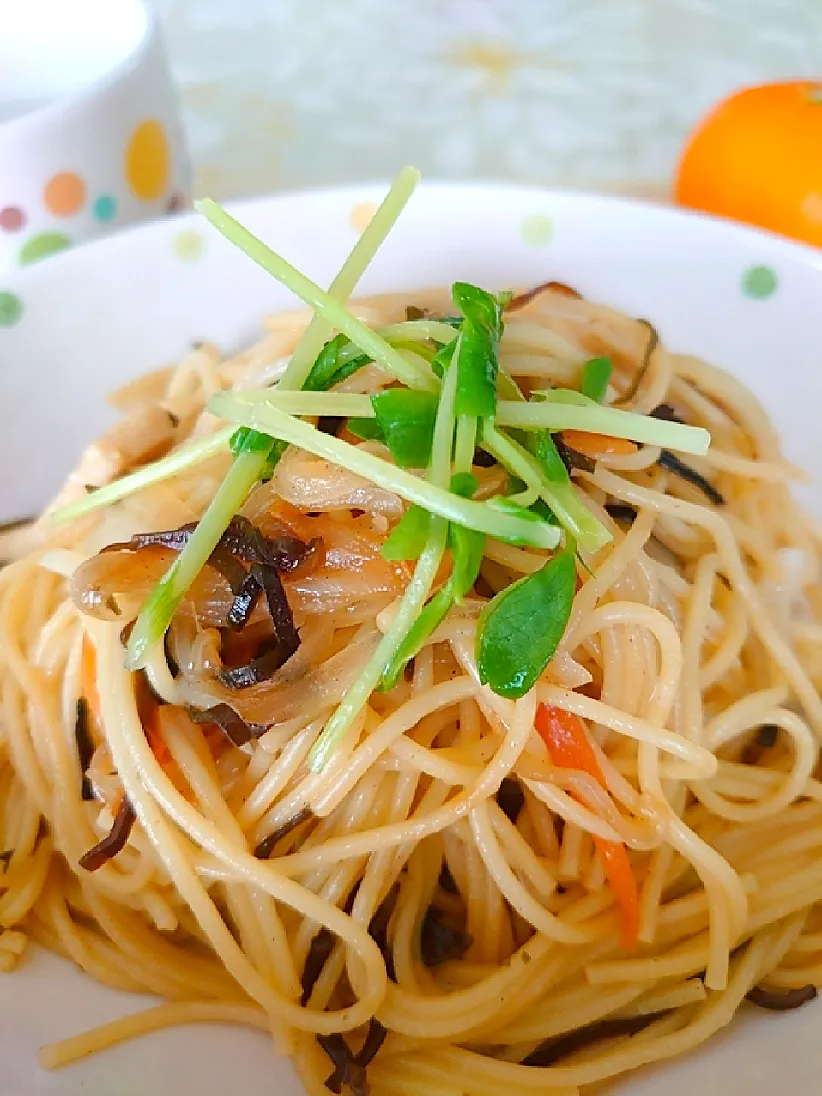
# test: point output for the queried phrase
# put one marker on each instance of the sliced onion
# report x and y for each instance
(308, 684)
(113, 586)
(318, 485)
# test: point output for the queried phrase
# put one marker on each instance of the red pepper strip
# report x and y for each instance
(569, 747)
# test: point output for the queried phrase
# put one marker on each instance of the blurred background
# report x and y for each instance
(592, 94)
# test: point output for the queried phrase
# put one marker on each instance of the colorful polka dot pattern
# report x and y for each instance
(64, 194)
(759, 282)
(188, 244)
(146, 174)
(148, 161)
(537, 230)
(104, 208)
(41, 246)
(148, 167)
(12, 219)
(361, 215)
(11, 309)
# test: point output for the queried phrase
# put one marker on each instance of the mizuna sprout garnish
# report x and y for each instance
(253, 454)
(447, 411)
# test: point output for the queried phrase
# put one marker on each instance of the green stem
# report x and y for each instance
(358, 261)
(561, 497)
(557, 412)
(323, 303)
(179, 461)
(537, 415)
(435, 330)
(473, 515)
(155, 615)
(188, 455)
(410, 607)
(414, 598)
(465, 444)
(248, 467)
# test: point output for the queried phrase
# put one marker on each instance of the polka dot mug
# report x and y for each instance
(90, 138)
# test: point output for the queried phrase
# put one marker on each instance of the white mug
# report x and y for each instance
(90, 136)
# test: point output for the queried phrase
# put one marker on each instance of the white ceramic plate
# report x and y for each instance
(85, 321)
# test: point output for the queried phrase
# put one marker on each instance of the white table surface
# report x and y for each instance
(282, 94)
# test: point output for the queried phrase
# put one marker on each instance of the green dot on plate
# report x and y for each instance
(188, 244)
(536, 230)
(759, 282)
(105, 208)
(11, 309)
(43, 245)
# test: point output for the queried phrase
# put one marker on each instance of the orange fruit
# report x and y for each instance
(757, 158)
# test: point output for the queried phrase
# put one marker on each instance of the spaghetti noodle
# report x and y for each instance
(440, 906)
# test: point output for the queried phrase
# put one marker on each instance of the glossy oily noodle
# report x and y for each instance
(402, 926)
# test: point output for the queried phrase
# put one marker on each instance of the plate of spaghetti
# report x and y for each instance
(411, 675)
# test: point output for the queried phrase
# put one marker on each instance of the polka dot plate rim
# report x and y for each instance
(83, 321)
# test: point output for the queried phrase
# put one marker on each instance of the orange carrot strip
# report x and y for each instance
(569, 747)
(598, 445)
(88, 679)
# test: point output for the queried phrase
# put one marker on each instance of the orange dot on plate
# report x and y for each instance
(361, 214)
(148, 161)
(64, 194)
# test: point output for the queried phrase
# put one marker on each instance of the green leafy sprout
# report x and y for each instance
(448, 395)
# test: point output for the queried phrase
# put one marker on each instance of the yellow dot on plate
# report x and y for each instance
(361, 214)
(188, 244)
(536, 230)
(148, 160)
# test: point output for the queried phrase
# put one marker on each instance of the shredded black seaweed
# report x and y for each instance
(665, 412)
(271, 658)
(273, 653)
(621, 511)
(349, 1068)
(447, 880)
(520, 300)
(114, 841)
(278, 607)
(85, 747)
(440, 942)
(767, 735)
(378, 929)
(245, 601)
(510, 798)
(246, 541)
(227, 565)
(782, 1002)
(319, 952)
(265, 848)
(231, 723)
(374, 1039)
(673, 464)
(330, 424)
(483, 459)
(175, 539)
(322, 944)
(554, 1050)
(17, 523)
(571, 458)
(242, 540)
(647, 355)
